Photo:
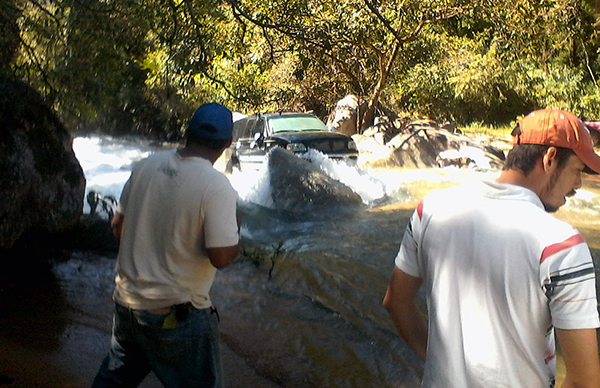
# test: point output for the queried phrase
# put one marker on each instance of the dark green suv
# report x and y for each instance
(255, 135)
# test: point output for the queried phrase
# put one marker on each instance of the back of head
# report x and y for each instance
(551, 128)
(211, 126)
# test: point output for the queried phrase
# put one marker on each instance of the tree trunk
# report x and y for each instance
(385, 69)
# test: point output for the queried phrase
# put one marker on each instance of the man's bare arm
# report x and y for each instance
(580, 353)
(222, 257)
(400, 302)
(117, 225)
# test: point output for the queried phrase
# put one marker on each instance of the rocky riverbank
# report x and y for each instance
(56, 322)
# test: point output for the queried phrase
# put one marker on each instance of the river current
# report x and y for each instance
(302, 305)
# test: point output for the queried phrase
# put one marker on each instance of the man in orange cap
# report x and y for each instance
(502, 275)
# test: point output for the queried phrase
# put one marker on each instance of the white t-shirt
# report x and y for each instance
(173, 208)
(499, 272)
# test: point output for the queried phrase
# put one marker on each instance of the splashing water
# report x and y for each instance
(107, 165)
(107, 162)
(253, 185)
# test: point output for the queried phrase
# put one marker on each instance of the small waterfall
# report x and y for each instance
(253, 185)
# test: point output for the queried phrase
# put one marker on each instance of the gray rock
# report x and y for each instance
(422, 145)
(343, 118)
(42, 184)
(297, 184)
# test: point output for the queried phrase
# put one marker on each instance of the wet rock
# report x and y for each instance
(425, 145)
(454, 158)
(42, 184)
(297, 184)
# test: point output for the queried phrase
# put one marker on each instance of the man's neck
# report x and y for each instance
(534, 181)
(198, 151)
(513, 177)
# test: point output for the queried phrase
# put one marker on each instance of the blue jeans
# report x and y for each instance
(184, 354)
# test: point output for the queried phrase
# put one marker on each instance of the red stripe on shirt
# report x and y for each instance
(555, 248)
(420, 210)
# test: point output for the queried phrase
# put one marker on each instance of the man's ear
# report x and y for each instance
(549, 158)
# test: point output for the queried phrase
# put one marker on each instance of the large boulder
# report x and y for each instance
(298, 185)
(42, 184)
(343, 118)
(426, 145)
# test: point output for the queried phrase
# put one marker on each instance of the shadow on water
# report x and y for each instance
(33, 319)
(28, 291)
(55, 307)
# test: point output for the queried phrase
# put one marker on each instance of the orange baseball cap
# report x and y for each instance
(558, 128)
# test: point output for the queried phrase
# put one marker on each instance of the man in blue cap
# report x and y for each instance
(177, 225)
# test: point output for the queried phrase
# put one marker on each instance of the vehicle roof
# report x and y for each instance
(272, 114)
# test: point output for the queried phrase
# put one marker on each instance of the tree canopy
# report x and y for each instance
(132, 66)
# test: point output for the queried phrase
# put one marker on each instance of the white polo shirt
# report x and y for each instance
(499, 272)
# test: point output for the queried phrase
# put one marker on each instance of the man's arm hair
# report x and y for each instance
(580, 353)
(400, 302)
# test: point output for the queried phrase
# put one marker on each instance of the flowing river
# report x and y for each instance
(302, 305)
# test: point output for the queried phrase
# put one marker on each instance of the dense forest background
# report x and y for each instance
(142, 66)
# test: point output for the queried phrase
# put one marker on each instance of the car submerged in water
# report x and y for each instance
(255, 135)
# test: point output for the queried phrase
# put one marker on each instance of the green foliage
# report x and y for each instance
(127, 66)
(589, 102)
(118, 66)
(481, 129)
(466, 82)
(495, 63)
(9, 39)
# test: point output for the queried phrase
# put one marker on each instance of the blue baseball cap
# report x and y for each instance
(212, 121)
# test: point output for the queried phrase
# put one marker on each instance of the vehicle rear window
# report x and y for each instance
(296, 123)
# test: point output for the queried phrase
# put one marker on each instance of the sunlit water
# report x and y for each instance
(303, 304)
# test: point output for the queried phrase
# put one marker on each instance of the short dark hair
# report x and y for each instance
(524, 156)
(193, 137)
